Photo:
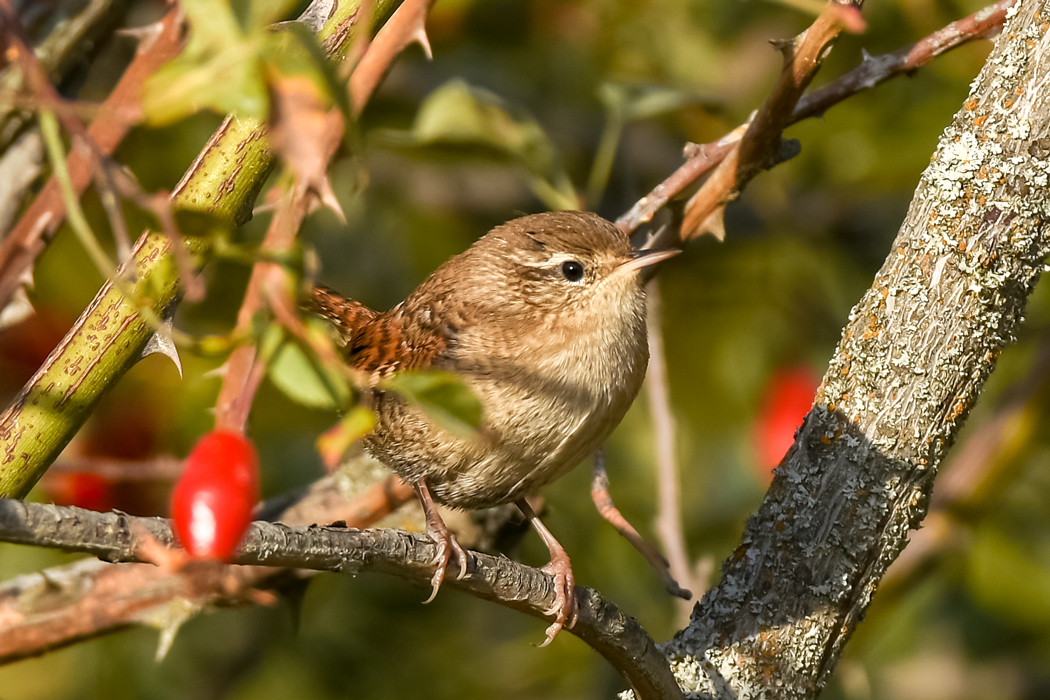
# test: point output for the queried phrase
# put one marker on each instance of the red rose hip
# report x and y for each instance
(213, 500)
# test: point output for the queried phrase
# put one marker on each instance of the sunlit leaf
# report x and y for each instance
(442, 396)
(306, 382)
(219, 70)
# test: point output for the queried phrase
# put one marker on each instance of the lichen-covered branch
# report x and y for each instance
(911, 363)
(120, 538)
(95, 598)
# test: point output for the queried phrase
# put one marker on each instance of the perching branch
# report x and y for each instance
(910, 366)
(120, 538)
(99, 598)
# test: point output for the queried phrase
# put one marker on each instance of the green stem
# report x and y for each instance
(110, 335)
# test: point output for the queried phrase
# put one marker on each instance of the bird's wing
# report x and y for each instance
(394, 342)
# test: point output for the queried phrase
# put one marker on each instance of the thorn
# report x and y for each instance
(715, 224)
(161, 341)
(783, 45)
(328, 198)
(169, 620)
(420, 37)
(17, 310)
(217, 373)
(143, 35)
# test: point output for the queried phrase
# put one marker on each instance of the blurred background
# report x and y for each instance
(748, 326)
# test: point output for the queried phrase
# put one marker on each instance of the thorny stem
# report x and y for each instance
(110, 335)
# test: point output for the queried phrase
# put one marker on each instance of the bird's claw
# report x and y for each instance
(448, 547)
(564, 608)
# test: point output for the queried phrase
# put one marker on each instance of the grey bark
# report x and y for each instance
(911, 363)
(117, 537)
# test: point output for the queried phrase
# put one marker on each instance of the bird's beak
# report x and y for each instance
(644, 258)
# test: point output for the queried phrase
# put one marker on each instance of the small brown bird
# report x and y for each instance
(544, 319)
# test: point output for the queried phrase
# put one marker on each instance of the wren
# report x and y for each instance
(544, 320)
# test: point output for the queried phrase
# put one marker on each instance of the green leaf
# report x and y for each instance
(304, 380)
(458, 114)
(219, 69)
(443, 397)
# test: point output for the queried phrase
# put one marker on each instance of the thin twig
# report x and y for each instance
(405, 26)
(873, 71)
(41, 220)
(669, 527)
(760, 144)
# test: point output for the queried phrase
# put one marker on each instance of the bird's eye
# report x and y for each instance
(572, 270)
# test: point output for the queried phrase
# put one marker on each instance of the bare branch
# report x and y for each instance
(119, 538)
(99, 599)
(875, 70)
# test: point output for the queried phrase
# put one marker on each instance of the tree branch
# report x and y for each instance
(874, 70)
(98, 599)
(120, 538)
(911, 363)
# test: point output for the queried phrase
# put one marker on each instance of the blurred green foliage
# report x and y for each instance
(516, 113)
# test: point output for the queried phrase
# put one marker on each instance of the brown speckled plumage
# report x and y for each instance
(544, 319)
(555, 363)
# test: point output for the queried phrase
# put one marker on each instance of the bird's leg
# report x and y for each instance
(442, 537)
(560, 567)
(608, 510)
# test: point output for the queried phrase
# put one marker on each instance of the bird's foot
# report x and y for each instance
(560, 567)
(446, 542)
(448, 548)
(564, 608)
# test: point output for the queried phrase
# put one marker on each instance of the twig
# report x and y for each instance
(72, 38)
(603, 501)
(669, 526)
(875, 70)
(600, 624)
(405, 26)
(161, 467)
(759, 146)
(41, 220)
